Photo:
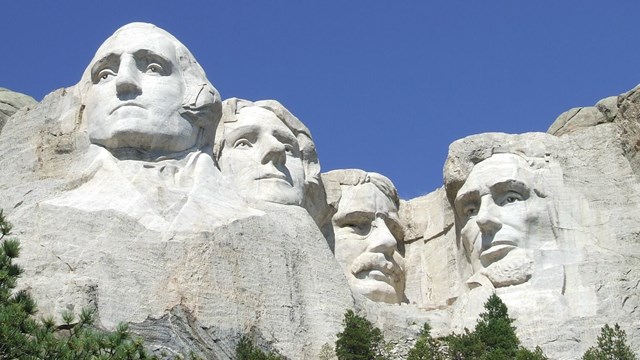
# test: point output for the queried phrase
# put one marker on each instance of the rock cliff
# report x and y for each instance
(10, 102)
(224, 227)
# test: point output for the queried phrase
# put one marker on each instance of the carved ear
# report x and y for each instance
(201, 100)
(202, 104)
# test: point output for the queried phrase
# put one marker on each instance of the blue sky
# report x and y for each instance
(383, 86)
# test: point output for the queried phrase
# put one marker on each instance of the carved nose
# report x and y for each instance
(488, 218)
(273, 151)
(128, 78)
(381, 240)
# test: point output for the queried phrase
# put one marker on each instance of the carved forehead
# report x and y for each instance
(234, 108)
(134, 37)
(256, 115)
(255, 120)
(364, 198)
(143, 36)
(499, 168)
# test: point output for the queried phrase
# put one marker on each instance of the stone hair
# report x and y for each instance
(354, 177)
(464, 155)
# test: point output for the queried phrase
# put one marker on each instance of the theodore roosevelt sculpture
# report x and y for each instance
(266, 152)
(366, 233)
(144, 92)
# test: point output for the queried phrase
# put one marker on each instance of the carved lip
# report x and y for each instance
(134, 104)
(272, 176)
(380, 276)
(497, 250)
(379, 272)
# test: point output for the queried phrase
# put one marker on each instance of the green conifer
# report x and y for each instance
(246, 350)
(612, 345)
(359, 340)
(23, 337)
(426, 347)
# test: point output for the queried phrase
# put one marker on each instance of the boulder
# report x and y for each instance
(10, 102)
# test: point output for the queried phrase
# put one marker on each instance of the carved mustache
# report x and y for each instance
(487, 241)
(376, 261)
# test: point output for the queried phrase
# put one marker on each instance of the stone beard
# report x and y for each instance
(504, 220)
(367, 231)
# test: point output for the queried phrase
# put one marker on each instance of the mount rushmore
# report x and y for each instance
(140, 194)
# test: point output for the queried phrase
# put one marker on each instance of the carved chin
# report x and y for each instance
(286, 196)
(375, 290)
(514, 269)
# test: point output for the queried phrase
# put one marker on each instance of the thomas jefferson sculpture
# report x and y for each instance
(266, 152)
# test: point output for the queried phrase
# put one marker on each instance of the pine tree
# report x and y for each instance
(612, 345)
(16, 310)
(327, 352)
(426, 347)
(22, 337)
(494, 337)
(526, 354)
(496, 331)
(246, 350)
(464, 346)
(359, 340)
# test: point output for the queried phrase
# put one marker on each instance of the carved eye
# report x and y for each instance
(104, 74)
(470, 211)
(511, 198)
(361, 229)
(242, 144)
(154, 68)
(288, 148)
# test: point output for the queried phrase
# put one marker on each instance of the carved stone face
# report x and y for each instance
(367, 231)
(500, 214)
(262, 156)
(136, 94)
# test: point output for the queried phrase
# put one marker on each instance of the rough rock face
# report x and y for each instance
(198, 221)
(554, 276)
(604, 111)
(10, 102)
(247, 272)
(428, 221)
(152, 233)
(578, 266)
(622, 110)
